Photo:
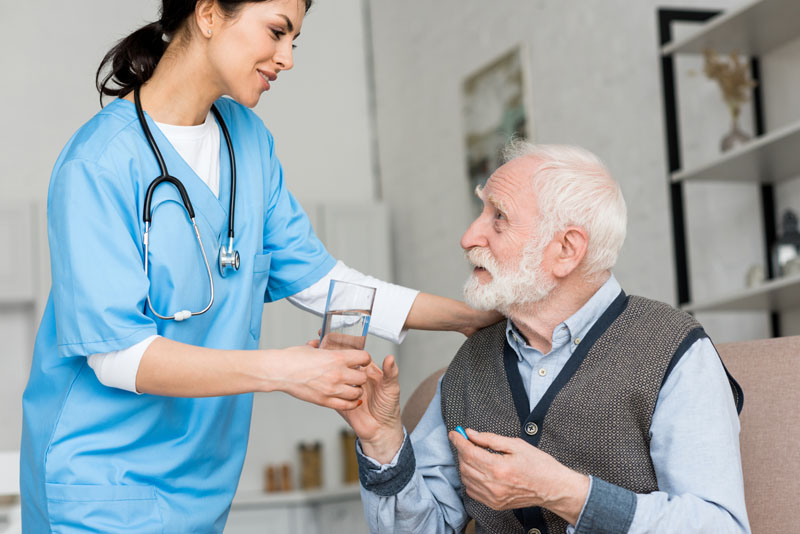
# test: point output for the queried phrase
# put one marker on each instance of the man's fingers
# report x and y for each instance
(390, 369)
(313, 343)
(487, 440)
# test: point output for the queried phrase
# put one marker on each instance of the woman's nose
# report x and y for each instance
(285, 57)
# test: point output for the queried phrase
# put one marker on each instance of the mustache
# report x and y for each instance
(481, 257)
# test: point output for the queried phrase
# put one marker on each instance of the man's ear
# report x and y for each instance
(573, 243)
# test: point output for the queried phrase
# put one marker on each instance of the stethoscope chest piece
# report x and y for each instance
(228, 258)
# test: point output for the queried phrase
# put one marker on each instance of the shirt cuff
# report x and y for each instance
(389, 310)
(609, 509)
(118, 369)
(388, 479)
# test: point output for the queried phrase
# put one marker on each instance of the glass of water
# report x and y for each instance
(347, 314)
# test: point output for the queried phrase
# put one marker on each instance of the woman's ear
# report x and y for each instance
(206, 16)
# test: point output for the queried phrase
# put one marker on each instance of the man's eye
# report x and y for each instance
(499, 216)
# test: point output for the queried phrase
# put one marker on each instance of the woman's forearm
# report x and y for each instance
(176, 369)
(330, 378)
(432, 312)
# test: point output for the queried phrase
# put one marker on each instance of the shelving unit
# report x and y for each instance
(770, 158)
(753, 29)
(779, 295)
(324, 511)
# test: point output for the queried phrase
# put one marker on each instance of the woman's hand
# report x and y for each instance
(330, 378)
(432, 312)
(480, 319)
(377, 421)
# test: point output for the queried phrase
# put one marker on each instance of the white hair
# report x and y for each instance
(574, 188)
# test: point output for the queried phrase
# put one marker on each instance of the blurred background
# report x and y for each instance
(393, 113)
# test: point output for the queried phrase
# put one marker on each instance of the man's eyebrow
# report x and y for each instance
(496, 202)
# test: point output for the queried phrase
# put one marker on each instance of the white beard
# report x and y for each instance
(525, 284)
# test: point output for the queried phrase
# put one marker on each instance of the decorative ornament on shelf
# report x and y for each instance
(786, 252)
(734, 81)
(310, 465)
(755, 276)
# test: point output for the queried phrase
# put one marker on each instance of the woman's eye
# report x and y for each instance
(278, 33)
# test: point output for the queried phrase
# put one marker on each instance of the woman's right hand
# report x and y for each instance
(330, 378)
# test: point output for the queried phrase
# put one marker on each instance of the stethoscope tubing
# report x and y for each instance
(147, 213)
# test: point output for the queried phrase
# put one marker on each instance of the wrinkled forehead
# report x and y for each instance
(512, 181)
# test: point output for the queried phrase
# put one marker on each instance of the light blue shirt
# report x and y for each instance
(694, 446)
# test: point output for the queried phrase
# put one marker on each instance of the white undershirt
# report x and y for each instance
(199, 147)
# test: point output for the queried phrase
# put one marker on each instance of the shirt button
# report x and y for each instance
(577, 341)
(531, 428)
(542, 371)
(534, 531)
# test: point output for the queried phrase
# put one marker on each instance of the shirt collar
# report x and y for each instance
(576, 325)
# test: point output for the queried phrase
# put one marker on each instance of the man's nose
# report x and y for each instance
(474, 236)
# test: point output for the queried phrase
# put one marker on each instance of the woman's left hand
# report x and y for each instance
(432, 312)
(482, 320)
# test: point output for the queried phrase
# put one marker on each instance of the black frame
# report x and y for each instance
(666, 17)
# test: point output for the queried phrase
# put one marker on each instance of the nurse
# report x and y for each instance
(134, 423)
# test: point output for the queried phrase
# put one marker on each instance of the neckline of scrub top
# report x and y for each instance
(213, 208)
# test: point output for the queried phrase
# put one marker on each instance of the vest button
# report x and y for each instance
(531, 429)
(534, 531)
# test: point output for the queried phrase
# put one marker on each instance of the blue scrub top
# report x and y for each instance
(100, 459)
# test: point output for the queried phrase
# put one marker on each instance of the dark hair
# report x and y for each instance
(134, 58)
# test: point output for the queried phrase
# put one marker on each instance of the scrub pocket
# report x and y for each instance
(90, 508)
(260, 277)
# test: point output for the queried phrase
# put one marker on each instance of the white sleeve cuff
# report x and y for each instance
(118, 369)
(389, 311)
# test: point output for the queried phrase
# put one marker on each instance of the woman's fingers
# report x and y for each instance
(350, 393)
(354, 377)
(341, 404)
(356, 358)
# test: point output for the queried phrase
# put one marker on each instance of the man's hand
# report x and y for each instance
(376, 422)
(520, 477)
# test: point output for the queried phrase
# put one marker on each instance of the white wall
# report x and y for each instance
(595, 81)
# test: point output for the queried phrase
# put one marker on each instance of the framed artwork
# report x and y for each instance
(496, 109)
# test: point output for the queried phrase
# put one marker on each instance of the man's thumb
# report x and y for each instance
(390, 369)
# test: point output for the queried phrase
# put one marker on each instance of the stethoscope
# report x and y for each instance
(227, 258)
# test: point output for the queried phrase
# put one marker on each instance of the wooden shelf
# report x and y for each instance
(255, 499)
(770, 158)
(780, 294)
(752, 29)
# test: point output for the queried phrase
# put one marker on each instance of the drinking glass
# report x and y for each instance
(347, 314)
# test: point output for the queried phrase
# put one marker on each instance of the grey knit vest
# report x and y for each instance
(594, 418)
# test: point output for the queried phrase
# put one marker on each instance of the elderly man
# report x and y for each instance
(587, 410)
